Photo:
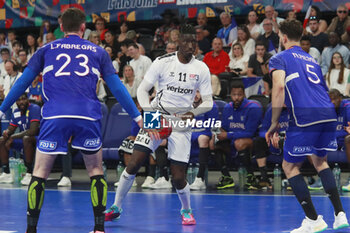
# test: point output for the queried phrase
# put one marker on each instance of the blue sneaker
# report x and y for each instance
(113, 213)
(316, 186)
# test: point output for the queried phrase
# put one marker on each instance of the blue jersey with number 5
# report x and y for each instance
(71, 67)
(305, 89)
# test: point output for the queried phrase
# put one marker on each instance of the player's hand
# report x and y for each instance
(140, 123)
(154, 135)
(275, 140)
(5, 134)
(222, 136)
(269, 134)
(187, 115)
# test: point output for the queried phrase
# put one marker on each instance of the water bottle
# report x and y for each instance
(242, 176)
(16, 172)
(104, 167)
(120, 169)
(336, 173)
(22, 169)
(277, 179)
(12, 166)
(190, 173)
(195, 171)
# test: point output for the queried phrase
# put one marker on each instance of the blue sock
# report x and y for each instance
(330, 188)
(303, 195)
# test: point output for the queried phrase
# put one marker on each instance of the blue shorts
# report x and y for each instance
(315, 139)
(194, 141)
(55, 133)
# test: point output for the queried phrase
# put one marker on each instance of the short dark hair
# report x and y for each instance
(187, 29)
(306, 37)
(23, 50)
(126, 42)
(133, 45)
(260, 43)
(16, 42)
(292, 29)
(72, 18)
(5, 50)
(237, 84)
(334, 92)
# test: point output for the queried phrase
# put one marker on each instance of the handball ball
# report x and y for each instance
(165, 129)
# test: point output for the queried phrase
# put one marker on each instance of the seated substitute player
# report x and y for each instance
(71, 67)
(312, 126)
(179, 76)
(27, 118)
(260, 148)
(240, 121)
(201, 137)
(342, 108)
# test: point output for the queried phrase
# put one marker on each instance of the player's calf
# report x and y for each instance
(99, 200)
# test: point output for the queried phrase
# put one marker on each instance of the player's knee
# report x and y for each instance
(203, 141)
(27, 140)
(240, 144)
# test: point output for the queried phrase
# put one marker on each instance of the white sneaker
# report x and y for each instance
(340, 221)
(311, 226)
(64, 182)
(6, 178)
(346, 187)
(161, 183)
(148, 181)
(134, 184)
(198, 184)
(26, 179)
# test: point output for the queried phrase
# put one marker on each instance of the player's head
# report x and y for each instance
(290, 31)
(23, 102)
(73, 21)
(335, 96)
(187, 41)
(237, 92)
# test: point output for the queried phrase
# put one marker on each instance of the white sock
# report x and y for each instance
(184, 196)
(125, 183)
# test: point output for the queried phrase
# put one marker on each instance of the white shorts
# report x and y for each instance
(179, 144)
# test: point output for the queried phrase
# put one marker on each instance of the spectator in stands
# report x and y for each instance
(111, 41)
(316, 14)
(238, 60)
(100, 27)
(216, 60)
(260, 148)
(342, 107)
(340, 23)
(245, 40)
(270, 14)
(16, 47)
(124, 27)
(291, 15)
(132, 35)
(201, 136)
(174, 36)
(253, 26)
(95, 38)
(22, 55)
(338, 75)
(171, 47)
(240, 121)
(257, 65)
(228, 33)
(124, 57)
(11, 38)
(202, 21)
(27, 118)
(5, 55)
(328, 52)
(269, 34)
(44, 29)
(50, 37)
(13, 74)
(32, 45)
(203, 42)
(57, 32)
(305, 44)
(131, 83)
(35, 94)
(139, 63)
(109, 50)
(161, 35)
(319, 39)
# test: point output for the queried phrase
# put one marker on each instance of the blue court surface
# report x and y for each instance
(148, 212)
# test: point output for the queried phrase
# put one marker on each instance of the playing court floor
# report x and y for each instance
(70, 211)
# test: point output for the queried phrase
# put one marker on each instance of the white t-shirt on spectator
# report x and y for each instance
(140, 66)
(3, 72)
(333, 80)
(255, 29)
(133, 89)
(239, 63)
(315, 54)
